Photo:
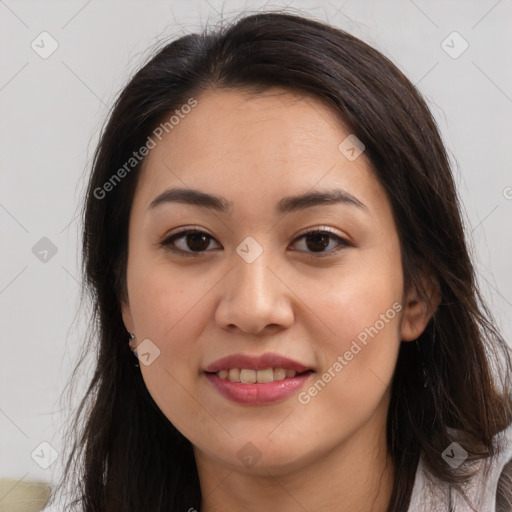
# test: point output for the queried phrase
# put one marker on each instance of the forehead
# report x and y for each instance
(276, 124)
(263, 146)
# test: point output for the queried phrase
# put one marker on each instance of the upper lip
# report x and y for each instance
(261, 362)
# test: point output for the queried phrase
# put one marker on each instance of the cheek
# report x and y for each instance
(169, 308)
(173, 318)
(353, 296)
(166, 303)
(357, 363)
(360, 311)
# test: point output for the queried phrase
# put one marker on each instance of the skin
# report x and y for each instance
(254, 149)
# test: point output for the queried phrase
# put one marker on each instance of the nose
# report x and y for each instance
(255, 298)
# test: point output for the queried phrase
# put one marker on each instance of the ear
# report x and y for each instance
(127, 316)
(421, 303)
(128, 322)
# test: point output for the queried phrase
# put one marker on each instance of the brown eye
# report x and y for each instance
(319, 239)
(191, 241)
(197, 241)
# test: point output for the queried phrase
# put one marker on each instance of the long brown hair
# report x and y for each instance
(124, 453)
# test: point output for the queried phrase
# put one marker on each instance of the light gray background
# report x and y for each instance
(53, 108)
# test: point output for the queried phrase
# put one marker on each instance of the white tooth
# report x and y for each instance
(234, 375)
(223, 374)
(290, 374)
(266, 375)
(248, 376)
(279, 374)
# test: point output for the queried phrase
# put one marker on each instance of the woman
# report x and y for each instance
(272, 220)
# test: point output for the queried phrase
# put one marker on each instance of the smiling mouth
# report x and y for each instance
(248, 376)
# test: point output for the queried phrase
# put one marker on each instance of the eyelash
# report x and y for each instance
(166, 243)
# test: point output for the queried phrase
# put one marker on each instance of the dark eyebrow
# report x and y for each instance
(285, 205)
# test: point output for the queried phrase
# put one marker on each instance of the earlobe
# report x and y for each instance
(419, 309)
(415, 319)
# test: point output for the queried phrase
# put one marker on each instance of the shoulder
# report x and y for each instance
(431, 495)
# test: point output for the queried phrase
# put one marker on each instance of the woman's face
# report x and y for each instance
(254, 285)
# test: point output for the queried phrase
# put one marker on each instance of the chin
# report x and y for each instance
(261, 456)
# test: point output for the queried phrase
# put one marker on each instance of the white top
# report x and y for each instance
(429, 495)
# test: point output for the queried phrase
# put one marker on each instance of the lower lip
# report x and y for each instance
(257, 394)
